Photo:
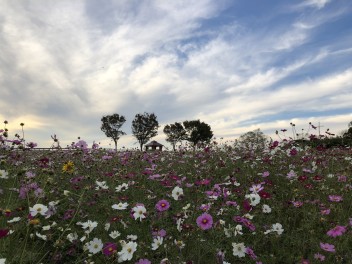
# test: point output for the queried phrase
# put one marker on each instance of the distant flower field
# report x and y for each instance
(220, 204)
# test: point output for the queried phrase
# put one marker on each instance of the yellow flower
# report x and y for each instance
(68, 167)
(34, 221)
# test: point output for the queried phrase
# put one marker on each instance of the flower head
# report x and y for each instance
(139, 212)
(127, 251)
(239, 250)
(94, 246)
(68, 167)
(327, 247)
(38, 209)
(109, 248)
(336, 231)
(162, 205)
(157, 242)
(177, 192)
(205, 221)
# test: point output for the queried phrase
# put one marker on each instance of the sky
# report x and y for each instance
(236, 65)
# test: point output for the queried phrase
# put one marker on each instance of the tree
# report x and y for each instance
(197, 132)
(111, 125)
(348, 133)
(174, 133)
(144, 127)
(253, 139)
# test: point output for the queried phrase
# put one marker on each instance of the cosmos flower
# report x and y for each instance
(205, 221)
(68, 167)
(114, 234)
(336, 231)
(327, 247)
(239, 250)
(157, 242)
(94, 246)
(162, 205)
(3, 174)
(120, 206)
(127, 251)
(109, 248)
(38, 209)
(139, 212)
(177, 192)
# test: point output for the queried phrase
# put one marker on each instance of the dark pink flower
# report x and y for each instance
(205, 221)
(4, 232)
(109, 248)
(162, 205)
(327, 247)
(336, 231)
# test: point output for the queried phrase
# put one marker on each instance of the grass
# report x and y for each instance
(217, 180)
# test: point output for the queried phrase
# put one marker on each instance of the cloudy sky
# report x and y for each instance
(237, 65)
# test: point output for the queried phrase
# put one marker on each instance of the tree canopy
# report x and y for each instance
(174, 133)
(144, 127)
(197, 132)
(253, 139)
(111, 125)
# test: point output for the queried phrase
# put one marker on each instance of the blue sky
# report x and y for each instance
(236, 65)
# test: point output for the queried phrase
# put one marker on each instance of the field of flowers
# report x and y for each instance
(220, 204)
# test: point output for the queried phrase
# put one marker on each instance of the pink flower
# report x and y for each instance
(335, 198)
(4, 232)
(336, 231)
(265, 174)
(327, 247)
(325, 211)
(143, 261)
(205, 221)
(162, 205)
(109, 249)
(319, 256)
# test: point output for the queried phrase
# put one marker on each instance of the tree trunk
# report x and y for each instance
(141, 144)
(115, 144)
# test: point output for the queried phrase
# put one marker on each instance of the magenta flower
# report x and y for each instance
(109, 248)
(4, 232)
(205, 221)
(327, 247)
(336, 231)
(162, 205)
(335, 198)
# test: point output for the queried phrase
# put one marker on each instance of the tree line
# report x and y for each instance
(145, 126)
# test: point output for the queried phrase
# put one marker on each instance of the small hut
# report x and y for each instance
(154, 146)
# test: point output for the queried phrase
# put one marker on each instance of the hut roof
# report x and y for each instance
(154, 143)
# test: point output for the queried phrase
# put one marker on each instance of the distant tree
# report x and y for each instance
(144, 127)
(174, 133)
(253, 139)
(111, 125)
(348, 133)
(197, 132)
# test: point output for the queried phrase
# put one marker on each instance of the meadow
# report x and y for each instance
(224, 203)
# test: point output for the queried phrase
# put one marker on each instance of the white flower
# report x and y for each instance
(66, 193)
(94, 246)
(157, 242)
(14, 220)
(277, 228)
(127, 251)
(266, 209)
(120, 206)
(115, 234)
(2, 261)
(107, 226)
(132, 237)
(72, 237)
(38, 209)
(101, 185)
(254, 199)
(46, 228)
(41, 236)
(239, 250)
(139, 212)
(90, 225)
(179, 243)
(3, 174)
(238, 230)
(177, 192)
(121, 187)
